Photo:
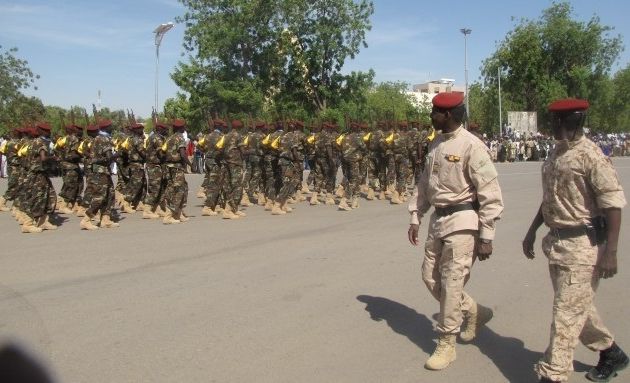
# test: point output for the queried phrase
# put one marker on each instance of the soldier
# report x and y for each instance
(255, 187)
(314, 175)
(100, 182)
(213, 146)
(136, 183)
(10, 150)
(326, 161)
(288, 157)
(176, 163)
(67, 150)
(399, 146)
(582, 202)
(23, 162)
(41, 198)
(300, 138)
(154, 198)
(232, 170)
(460, 181)
(376, 163)
(85, 149)
(272, 174)
(352, 149)
(122, 169)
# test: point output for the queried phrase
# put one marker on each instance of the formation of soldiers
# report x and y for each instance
(245, 163)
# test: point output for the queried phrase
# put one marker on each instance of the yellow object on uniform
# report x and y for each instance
(61, 142)
(3, 147)
(202, 142)
(265, 140)
(164, 146)
(340, 139)
(431, 136)
(390, 138)
(367, 137)
(276, 143)
(80, 148)
(126, 144)
(221, 143)
(23, 150)
(246, 140)
(146, 142)
(311, 139)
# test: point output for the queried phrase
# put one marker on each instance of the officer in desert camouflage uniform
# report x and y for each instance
(582, 202)
(460, 181)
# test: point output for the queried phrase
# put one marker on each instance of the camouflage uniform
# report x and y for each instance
(271, 170)
(155, 174)
(136, 184)
(352, 151)
(13, 165)
(376, 159)
(41, 198)
(100, 184)
(213, 174)
(176, 192)
(400, 150)
(232, 169)
(122, 164)
(85, 149)
(72, 175)
(289, 143)
(255, 163)
(578, 182)
(325, 162)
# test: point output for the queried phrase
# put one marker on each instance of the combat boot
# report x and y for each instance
(343, 205)
(260, 199)
(286, 208)
(59, 202)
(241, 213)
(314, 199)
(370, 194)
(182, 216)
(29, 226)
(381, 196)
(444, 353)
(355, 202)
(44, 223)
(126, 207)
(364, 189)
(3, 204)
(140, 207)
(228, 213)
(13, 211)
(161, 210)
(21, 217)
(395, 198)
(389, 191)
(291, 200)
(269, 205)
(86, 223)
(305, 188)
(201, 193)
(208, 212)
(330, 200)
(64, 208)
(79, 210)
(169, 219)
(474, 319)
(245, 200)
(277, 210)
(147, 213)
(106, 222)
(611, 360)
(340, 192)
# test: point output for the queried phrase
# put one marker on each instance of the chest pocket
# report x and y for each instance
(450, 171)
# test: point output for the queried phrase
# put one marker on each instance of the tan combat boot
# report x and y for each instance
(21, 217)
(370, 194)
(13, 211)
(182, 216)
(261, 199)
(59, 202)
(269, 205)
(29, 226)
(228, 213)
(86, 223)
(340, 192)
(305, 188)
(314, 199)
(201, 193)
(395, 198)
(63, 207)
(140, 207)
(44, 223)
(161, 211)
(381, 196)
(364, 188)
(277, 209)
(126, 207)
(286, 208)
(343, 205)
(245, 200)
(355, 203)
(79, 210)
(106, 222)
(444, 353)
(208, 212)
(147, 213)
(389, 191)
(330, 200)
(169, 219)
(474, 319)
(3, 204)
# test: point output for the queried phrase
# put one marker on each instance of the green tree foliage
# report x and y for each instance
(280, 57)
(15, 76)
(541, 60)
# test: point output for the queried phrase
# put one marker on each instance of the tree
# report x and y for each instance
(552, 57)
(15, 76)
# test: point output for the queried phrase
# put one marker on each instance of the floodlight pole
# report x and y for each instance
(500, 110)
(160, 31)
(466, 32)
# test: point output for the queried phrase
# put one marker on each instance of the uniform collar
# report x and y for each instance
(577, 142)
(454, 133)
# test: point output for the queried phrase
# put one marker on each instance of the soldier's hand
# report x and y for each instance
(484, 250)
(528, 244)
(607, 264)
(412, 234)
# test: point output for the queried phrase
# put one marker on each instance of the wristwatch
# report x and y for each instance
(486, 241)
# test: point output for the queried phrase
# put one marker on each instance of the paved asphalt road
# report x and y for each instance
(314, 296)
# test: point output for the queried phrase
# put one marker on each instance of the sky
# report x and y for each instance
(79, 47)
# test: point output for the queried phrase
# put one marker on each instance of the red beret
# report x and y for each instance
(137, 125)
(43, 125)
(364, 125)
(236, 124)
(260, 124)
(161, 125)
(178, 123)
(220, 123)
(299, 124)
(32, 131)
(92, 128)
(568, 105)
(448, 100)
(354, 125)
(402, 124)
(104, 123)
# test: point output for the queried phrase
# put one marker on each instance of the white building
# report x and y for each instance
(424, 93)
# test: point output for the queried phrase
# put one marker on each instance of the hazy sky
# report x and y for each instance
(80, 47)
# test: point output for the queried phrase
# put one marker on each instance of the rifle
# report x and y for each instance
(94, 111)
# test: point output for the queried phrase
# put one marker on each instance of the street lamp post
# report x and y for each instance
(500, 110)
(466, 32)
(160, 31)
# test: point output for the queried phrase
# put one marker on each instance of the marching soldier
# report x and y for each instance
(154, 199)
(176, 162)
(133, 146)
(67, 148)
(352, 148)
(232, 169)
(10, 150)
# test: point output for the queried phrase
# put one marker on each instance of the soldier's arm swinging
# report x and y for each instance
(607, 263)
(530, 237)
(184, 157)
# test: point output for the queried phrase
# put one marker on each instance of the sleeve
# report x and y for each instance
(605, 183)
(419, 203)
(484, 177)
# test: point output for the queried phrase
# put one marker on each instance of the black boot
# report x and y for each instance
(611, 360)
